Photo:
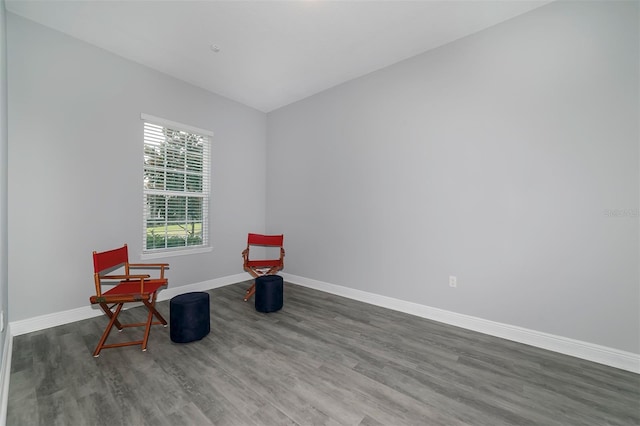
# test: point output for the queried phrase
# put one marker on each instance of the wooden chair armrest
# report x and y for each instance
(148, 265)
(126, 277)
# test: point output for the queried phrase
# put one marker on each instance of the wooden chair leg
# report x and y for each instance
(147, 329)
(110, 314)
(151, 306)
(113, 318)
(161, 320)
(250, 291)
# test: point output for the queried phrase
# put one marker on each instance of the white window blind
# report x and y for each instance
(176, 186)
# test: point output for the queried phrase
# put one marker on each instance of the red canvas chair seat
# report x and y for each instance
(259, 267)
(133, 288)
(127, 288)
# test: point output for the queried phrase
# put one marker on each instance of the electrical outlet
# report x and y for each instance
(1, 321)
(453, 281)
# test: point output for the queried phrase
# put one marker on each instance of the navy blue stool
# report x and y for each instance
(189, 317)
(269, 293)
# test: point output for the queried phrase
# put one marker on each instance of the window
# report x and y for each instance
(176, 186)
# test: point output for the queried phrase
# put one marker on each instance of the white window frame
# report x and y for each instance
(149, 121)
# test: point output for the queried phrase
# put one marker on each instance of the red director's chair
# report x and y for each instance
(127, 288)
(259, 267)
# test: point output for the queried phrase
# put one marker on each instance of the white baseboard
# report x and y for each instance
(5, 375)
(59, 318)
(589, 351)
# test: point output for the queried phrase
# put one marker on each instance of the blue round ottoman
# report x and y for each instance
(189, 317)
(269, 293)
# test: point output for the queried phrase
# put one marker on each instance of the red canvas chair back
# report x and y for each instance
(265, 240)
(262, 266)
(109, 261)
(114, 290)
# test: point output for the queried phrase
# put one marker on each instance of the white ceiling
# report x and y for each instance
(271, 53)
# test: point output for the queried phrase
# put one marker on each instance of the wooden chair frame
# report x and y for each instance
(262, 267)
(128, 288)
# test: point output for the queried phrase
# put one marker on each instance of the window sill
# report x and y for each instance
(173, 253)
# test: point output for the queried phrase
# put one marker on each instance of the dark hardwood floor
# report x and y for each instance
(322, 359)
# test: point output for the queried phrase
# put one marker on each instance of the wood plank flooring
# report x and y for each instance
(321, 360)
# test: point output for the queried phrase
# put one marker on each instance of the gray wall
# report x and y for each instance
(4, 286)
(508, 159)
(75, 143)
(495, 159)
